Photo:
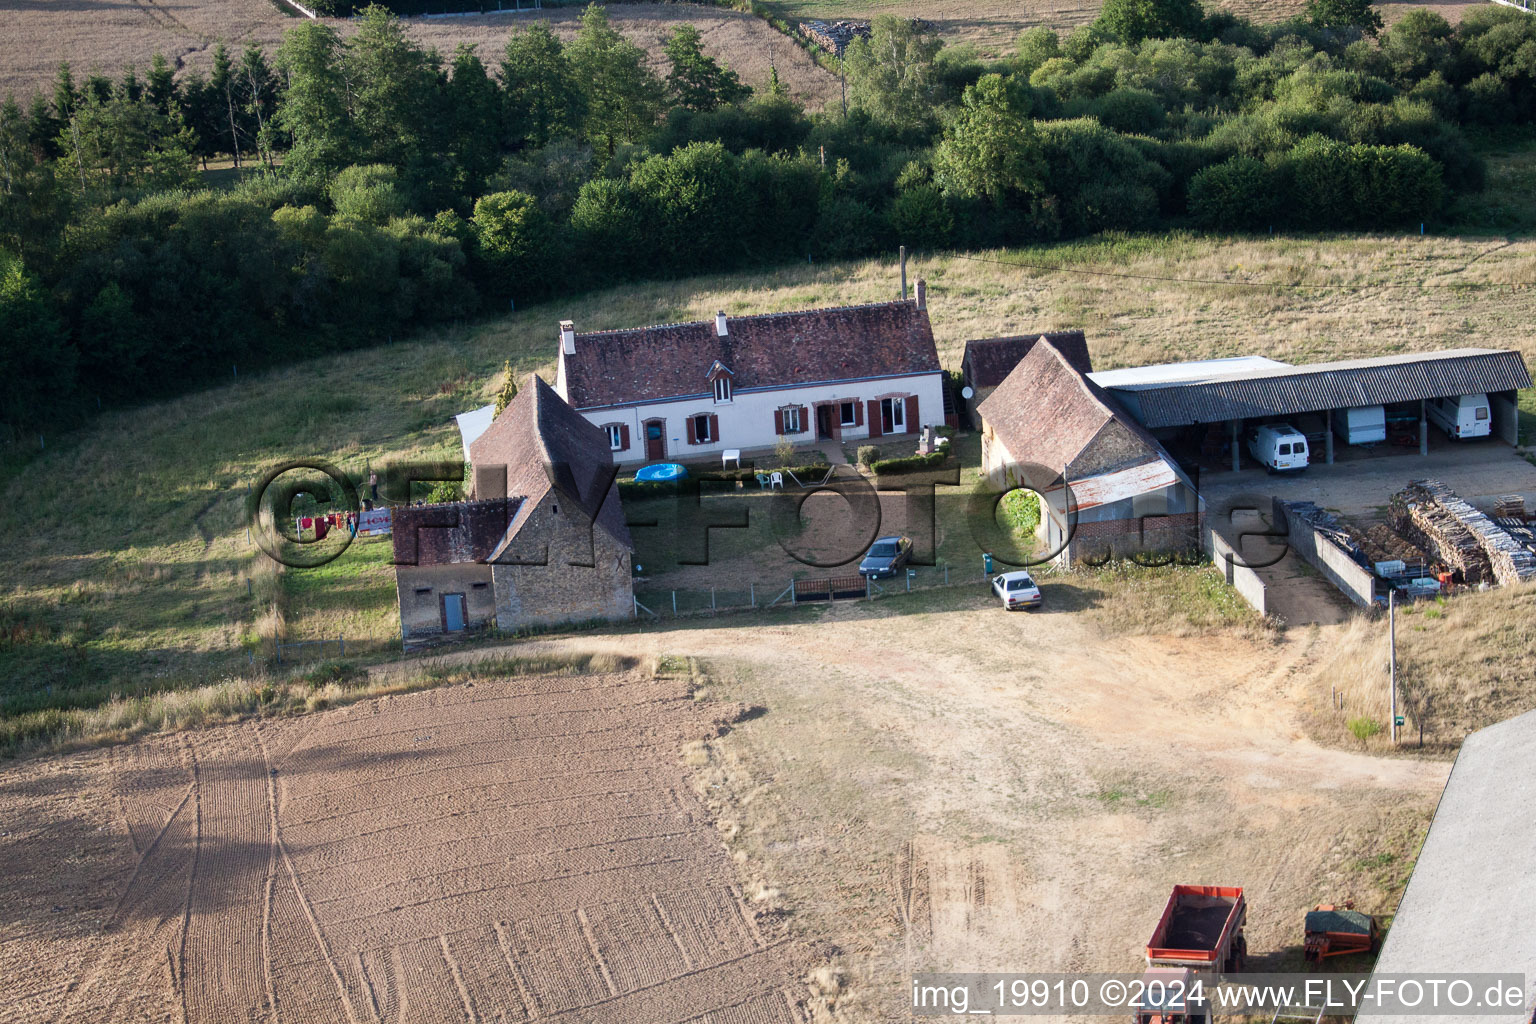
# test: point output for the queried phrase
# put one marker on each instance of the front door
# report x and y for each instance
(655, 440)
(823, 422)
(453, 613)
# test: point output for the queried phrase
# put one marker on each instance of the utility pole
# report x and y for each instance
(903, 273)
(1392, 658)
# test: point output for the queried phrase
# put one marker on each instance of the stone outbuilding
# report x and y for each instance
(541, 541)
(1107, 488)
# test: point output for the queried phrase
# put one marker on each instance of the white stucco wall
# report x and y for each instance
(747, 420)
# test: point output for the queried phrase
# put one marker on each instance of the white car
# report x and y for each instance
(1016, 590)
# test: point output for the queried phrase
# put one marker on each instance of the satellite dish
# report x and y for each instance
(967, 392)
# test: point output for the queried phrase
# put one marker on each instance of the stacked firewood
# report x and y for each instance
(1418, 516)
(1509, 506)
(1380, 544)
(1429, 512)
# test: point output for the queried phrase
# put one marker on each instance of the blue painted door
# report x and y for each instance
(453, 612)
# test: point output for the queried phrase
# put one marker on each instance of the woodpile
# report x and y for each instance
(1509, 506)
(834, 36)
(1381, 544)
(1432, 515)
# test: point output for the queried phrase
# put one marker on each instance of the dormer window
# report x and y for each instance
(719, 377)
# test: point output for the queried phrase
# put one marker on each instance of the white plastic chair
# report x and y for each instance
(730, 455)
(776, 480)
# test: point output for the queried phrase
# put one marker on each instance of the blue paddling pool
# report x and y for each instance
(662, 471)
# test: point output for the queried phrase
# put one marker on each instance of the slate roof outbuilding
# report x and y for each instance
(988, 361)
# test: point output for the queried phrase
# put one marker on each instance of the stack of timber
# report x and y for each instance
(1509, 506)
(1380, 544)
(1431, 514)
(834, 36)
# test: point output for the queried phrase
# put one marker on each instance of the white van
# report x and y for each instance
(1364, 424)
(1461, 415)
(1280, 447)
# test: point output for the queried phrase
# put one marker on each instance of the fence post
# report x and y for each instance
(792, 594)
(711, 598)
(674, 604)
(341, 645)
(946, 575)
(752, 595)
(869, 594)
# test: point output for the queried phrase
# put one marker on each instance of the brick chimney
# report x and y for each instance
(568, 337)
(721, 330)
(922, 294)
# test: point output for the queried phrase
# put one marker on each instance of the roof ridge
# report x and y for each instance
(538, 417)
(998, 338)
(749, 316)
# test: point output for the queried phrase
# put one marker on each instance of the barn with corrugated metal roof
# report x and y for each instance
(1214, 402)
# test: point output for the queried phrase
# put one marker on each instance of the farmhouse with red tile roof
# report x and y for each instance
(679, 391)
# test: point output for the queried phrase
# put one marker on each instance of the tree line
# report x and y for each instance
(387, 186)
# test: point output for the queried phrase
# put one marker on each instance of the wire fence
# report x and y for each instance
(299, 648)
(660, 603)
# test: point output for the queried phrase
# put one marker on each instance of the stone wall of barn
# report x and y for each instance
(561, 568)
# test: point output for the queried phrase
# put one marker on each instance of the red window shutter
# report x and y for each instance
(858, 414)
(714, 428)
(805, 419)
(874, 419)
(624, 435)
(778, 422)
(912, 424)
(692, 435)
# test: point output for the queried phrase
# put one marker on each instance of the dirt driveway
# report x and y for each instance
(938, 785)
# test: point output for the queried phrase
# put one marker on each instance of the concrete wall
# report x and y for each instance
(1353, 580)
(421, 614)
(747, 420)
(599, 586)
(1505, 410)
(1242, 579)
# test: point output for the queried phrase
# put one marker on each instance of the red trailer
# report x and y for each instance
(1201, 929)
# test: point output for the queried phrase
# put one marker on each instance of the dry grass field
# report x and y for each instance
(993, 25)
(109, 35)
(500, 850)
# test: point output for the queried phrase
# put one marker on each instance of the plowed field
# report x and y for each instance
(493, 852)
